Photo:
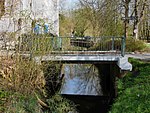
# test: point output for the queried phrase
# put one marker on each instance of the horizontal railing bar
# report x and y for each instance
(73, 45)
(82, 52)
(90, 37)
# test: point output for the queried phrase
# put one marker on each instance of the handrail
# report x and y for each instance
(48, 44)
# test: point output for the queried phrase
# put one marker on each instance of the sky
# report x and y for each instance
(71, 3)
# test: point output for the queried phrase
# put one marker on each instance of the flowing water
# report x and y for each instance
(82, 86)
(81, 79)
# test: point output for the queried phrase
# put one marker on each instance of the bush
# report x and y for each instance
(106, 45)
(19, 80)
(22, 76)
(22, 84)
(20, 103)
(58, 104)
(53, 80)
(133, 45)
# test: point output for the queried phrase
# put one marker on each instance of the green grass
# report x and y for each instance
(148, 45)
(134, 90)
(3, 99)
(13, 102)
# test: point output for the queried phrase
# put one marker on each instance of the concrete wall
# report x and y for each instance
(45, 10)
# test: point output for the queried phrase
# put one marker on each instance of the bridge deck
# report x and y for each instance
(82, 57)
(76, 49)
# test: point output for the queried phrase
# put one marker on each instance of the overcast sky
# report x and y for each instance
(71, 3)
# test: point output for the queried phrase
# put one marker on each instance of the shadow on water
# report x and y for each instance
(90, 104)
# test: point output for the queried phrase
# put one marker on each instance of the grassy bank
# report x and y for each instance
(134, 90)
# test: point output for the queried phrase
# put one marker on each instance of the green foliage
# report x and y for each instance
(13, 102)
(55, 102)
(106, 44)
(81, 22)
(66, 25)
(36, 43)
(134, 95)
(58, 104)
(20, 103)
(147, 49)
(3, 99)
(134, 45)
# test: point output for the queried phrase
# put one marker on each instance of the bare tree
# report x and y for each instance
(143, 20)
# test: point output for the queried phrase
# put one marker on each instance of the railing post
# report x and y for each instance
(123, 45)
(31, 48)
(19, 44)
(60, 43)
(113, 42)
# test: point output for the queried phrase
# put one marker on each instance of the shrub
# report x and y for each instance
(58, 104)
(133, 45)
(106, 45)
(19, 80)
(20, 103)
(22, 85)
(22, 76)
(52, 77)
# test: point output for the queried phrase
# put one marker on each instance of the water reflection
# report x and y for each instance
(81, 79)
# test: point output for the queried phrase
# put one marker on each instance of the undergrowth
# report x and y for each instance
(22, 88)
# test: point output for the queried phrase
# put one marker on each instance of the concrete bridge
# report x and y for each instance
(92, 50)
(76, 50)
(105, 53)
(92, 57)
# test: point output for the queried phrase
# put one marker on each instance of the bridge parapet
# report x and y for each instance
(45, 44)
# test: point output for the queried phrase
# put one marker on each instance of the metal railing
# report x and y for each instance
(74, 45)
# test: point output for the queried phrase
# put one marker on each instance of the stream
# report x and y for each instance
(81, 85)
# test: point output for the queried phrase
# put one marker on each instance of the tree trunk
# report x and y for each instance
(126, 17)
(135, 27)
